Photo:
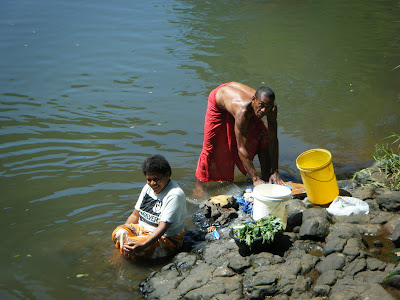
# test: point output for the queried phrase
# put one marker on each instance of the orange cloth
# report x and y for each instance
(164, 246)
(220, 154)
(297, 188)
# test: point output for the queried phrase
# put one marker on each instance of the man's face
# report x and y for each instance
(157, 182)
(262, 106)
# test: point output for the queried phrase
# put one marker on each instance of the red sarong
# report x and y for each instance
(220, 154)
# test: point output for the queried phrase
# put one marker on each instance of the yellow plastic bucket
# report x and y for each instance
(318, 176)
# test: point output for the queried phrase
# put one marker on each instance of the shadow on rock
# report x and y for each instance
(279, 246)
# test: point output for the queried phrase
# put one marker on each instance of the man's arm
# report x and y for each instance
(241, 125)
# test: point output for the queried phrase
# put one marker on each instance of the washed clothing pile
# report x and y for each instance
(220, 209)
(247, 205)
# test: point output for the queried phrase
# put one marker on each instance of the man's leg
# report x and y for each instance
(199, 190)
(265, 162)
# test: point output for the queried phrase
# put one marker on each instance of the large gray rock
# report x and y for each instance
(354, 247)
(303, 284)
(334, 261)
(185, 260)
(161, 285)
(356, 266)
(216, 252)
(286, 283)
(394, 281)
(371, 276)
(292, 267)
(347, 289)
(344, 231)
(262, 283)
(220, 286)
(197, 278)
(334, 244)
(238, 263)
(315, 225)
(381, 217)
(389, 201)
(329, 277)
(375, 291)
(353, 219)
(321, 290)
(374, 264)
(295, 213)
(307, 261)
(364, 193)
(395, 236)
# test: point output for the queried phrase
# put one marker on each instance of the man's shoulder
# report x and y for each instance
(234, 100)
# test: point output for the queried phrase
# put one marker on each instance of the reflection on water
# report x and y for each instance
(89, 90)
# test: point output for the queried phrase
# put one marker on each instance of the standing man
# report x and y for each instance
(234, 133)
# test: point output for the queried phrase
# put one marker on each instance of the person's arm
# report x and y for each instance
(273, 147)
(133, 218)
(135, 247)
(241, 125)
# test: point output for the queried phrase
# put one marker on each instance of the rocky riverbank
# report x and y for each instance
(319, 256)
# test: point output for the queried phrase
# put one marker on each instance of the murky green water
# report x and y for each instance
(88, 90)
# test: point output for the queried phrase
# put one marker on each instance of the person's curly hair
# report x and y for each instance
(156, 163)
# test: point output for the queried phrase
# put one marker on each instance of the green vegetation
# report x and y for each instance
(393, 260)
(388, 156)
(264, 228)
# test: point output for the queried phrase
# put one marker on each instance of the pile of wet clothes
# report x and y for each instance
(220, 209)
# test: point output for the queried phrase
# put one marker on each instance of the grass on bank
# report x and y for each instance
(388, 157)
(393, 260)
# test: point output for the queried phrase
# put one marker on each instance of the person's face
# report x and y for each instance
(262, 106)
(157, 181)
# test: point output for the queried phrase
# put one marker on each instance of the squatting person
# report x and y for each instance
(156, 226)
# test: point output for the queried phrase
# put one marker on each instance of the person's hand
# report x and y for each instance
(132, 248)
(258, 182)
(275, 178)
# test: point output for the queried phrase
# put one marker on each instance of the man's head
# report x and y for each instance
(157, 171)
(263, 101)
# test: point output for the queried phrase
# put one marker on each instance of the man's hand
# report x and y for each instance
(275, 178)
(258, 182)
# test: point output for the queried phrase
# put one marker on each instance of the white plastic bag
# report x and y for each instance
(345, 206)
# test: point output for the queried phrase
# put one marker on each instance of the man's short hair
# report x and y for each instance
(266, 92)
(156, 163)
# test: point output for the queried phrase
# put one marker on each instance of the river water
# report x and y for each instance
(89, 89)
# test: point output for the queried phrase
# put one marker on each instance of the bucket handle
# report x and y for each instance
(318, 179)
(275, 208)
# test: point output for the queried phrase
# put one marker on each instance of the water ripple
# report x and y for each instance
(88, 189)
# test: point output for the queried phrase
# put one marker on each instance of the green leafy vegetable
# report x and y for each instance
(264, 228)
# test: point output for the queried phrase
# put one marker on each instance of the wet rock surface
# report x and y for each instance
(319, 256)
